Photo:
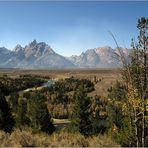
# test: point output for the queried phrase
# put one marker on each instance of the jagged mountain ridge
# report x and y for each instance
(103, 57)
(41, 55)
(33, 55)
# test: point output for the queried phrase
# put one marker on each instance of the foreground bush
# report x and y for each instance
(102, 141)
(24, 138)
(27, 138)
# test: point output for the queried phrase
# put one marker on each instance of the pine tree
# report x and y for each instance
(99, 115)
(21, 116)
(13, 101)
(6, 119)
(118, 117)
(82, 115)
(38, 114)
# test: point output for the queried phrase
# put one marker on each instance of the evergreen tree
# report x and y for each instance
(82, 115)
(38, 114)
(99, 115)
(13, 101)
(21, 116)
(6, 119)
(118, 118)
(118, 92)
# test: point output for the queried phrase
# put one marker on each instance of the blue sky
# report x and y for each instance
(70, 27)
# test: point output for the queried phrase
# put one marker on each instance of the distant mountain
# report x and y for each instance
(34, 55)
(5, 54)
(41, 55)
(104, 57)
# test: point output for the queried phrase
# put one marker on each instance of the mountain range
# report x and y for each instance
(41, 55)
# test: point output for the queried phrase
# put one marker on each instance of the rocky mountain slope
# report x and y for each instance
(41, 55)
(104, 57)
(33, 55)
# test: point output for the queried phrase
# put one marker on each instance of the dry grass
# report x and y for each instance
(102, 141)
(27, 138)
(65, 139)
(24, 138)
(81, 73)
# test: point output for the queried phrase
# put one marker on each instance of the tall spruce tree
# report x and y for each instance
(99, 115)
(82, 114)
(21, 115)
(13, 102)
(38, 114)
(6, 119)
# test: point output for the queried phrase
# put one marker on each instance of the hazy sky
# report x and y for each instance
(70, 27)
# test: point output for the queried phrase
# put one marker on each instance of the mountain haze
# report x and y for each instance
(41, 55)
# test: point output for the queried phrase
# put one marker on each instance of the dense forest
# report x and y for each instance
(10, 85)
(121, 118)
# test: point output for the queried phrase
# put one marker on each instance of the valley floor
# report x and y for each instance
(103, 78)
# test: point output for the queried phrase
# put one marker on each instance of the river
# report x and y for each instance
(47, 84)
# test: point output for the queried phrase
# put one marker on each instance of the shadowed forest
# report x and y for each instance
(78, 108)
